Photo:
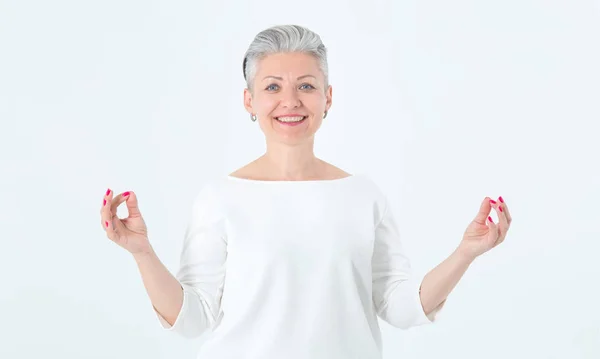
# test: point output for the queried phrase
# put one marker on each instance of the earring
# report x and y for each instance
(253, 117)
(325, 115)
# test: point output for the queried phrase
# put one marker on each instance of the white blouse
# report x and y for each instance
(294, 269)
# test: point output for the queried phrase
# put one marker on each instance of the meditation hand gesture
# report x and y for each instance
(131, 232)
(483, 234)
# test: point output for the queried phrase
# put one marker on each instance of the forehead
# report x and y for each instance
(283, 64)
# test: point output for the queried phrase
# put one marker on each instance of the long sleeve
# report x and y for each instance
(202, 267)
(395, 289)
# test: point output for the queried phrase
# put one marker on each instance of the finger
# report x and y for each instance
(505, 209)
(105, 214)
(105, 200)
(502, 222)
(499, 211)
(132, 205)
(116, 202)
(117, 224)
(110, 230)
(130, 200)
(110, 221)
(494, 235)
(502, 217)
(484, 211)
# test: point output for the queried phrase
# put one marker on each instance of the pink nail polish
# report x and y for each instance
(501, 199)
(492, 201)
(105, 202)
(126, 194)
(500, 208)
(106, 224)
(490, 219)
(108, 191)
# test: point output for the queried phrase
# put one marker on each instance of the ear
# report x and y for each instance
(248, 101)
(328, 97)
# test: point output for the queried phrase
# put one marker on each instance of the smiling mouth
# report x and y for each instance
(291, 120)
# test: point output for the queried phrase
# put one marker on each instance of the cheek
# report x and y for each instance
(264, 99)
(267, 105)
(315, 104)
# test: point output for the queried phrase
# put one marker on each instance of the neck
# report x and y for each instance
(287, 162)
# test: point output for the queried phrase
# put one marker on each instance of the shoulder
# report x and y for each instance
(373, 194)
(368, 186)
(209, 194)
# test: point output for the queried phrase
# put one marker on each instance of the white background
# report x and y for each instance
(441, 103)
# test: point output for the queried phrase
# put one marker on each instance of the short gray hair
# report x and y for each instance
(284, 38)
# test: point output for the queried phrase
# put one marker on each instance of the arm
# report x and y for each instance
(395, 288)
(191, 299)
(441, 280)
(164, 290)
(481, 235)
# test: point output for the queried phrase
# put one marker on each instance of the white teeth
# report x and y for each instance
(290, 119)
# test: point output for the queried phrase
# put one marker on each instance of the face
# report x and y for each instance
(286, 87)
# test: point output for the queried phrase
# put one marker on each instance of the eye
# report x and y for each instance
(271, 85)
(311, 86)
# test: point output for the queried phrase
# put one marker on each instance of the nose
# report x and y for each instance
(290, 98)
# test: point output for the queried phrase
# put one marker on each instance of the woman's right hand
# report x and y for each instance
(131, 232)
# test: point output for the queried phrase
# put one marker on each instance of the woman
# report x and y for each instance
(290, 256)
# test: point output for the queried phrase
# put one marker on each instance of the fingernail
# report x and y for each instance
(490, 219)
(108, 191)
(126, 194)
(500, 208)
(501, 200)
(492, 201)
(106, 224)
(104, 202)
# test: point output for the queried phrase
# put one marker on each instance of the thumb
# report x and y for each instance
(132, 205)
(484, 211)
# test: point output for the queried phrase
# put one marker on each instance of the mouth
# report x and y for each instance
(291, 120)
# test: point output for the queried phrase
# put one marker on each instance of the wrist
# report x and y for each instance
(143, 255)
(463, 256)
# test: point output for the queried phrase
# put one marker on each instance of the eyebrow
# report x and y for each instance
(281, 79)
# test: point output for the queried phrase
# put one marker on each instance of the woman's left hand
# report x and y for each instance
(483, 234)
